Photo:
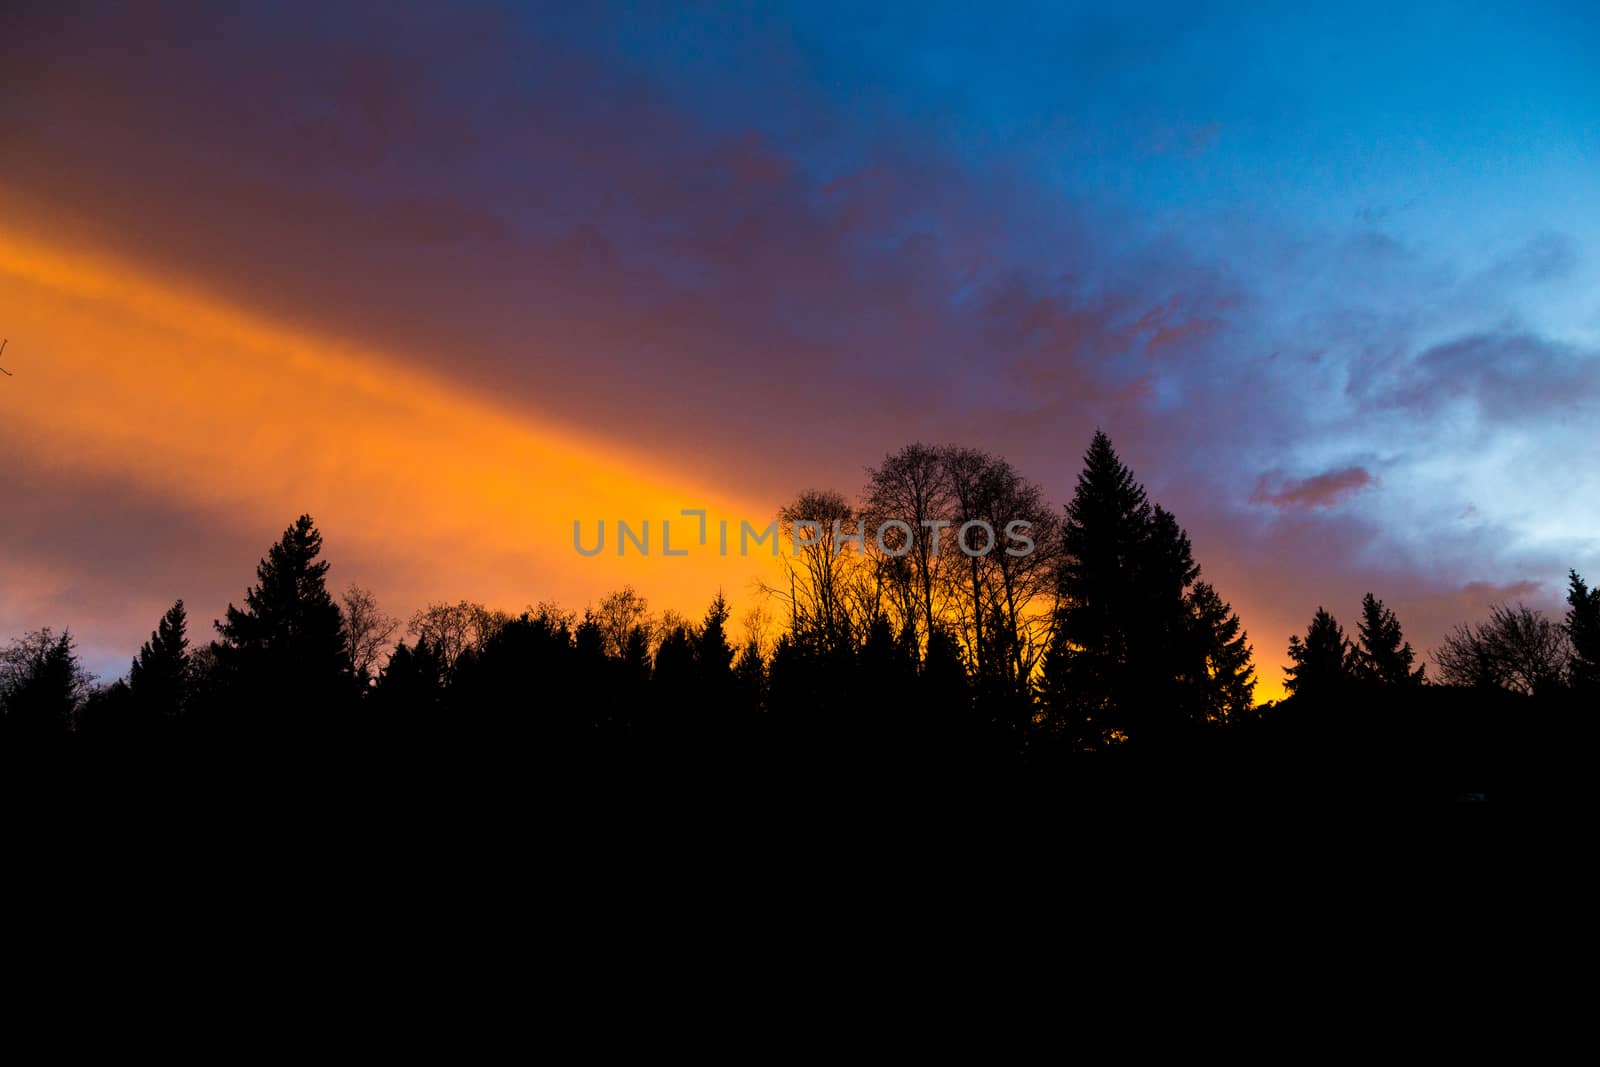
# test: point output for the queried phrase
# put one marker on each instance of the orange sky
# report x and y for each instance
(423, 489)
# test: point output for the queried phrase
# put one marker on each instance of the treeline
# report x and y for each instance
(1517, 650)
(1102, 639)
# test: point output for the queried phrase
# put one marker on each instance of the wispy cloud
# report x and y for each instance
(1318, 491)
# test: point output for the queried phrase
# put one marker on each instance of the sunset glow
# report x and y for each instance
(220, 413)
(452, 280)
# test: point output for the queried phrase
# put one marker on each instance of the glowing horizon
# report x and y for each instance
(449, 281)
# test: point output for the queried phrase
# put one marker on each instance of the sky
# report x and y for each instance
(450, 280)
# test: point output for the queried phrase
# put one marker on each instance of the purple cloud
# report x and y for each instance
(1319, 491)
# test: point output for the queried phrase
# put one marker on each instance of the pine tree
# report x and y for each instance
(1166, 696)
(1108, 524)
(674, 678)
(1123, 658)
(1583, 631)
(1225, 676)
(1322, 662)
(712, 652)
(1383, 656)
(945, 694)
(886, 671)
(712, 710)
(750, 680)
(285, 651)
(158, 679)
(636, 661)
(410, 691)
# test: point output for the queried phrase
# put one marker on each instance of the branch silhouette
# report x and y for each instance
(3, 344)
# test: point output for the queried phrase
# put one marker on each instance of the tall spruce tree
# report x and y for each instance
(1105, 535)
(1128, 654)
(1322, 662)
(1583, 631)
(1225, 676)
(285, 652)
(1167, 696)
(712, 652)
(1383, 656)
(158, 679)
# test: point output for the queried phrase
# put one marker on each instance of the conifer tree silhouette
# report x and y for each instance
(750, 680)
(673, 681)
(1225, 675)
(1129, 651)
(1323, 661)
(1162, 691)
(712, 652)
(886, 672)
(159, 677)
(1108, 523)
(1583, 631)
(284, 653)
(633, 677)
(410, 692)
(945, 693)
(1383, 656)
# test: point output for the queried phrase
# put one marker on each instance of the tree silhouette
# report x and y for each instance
(367, 632)
(1023, 589)
(1383, 656)
(42, 685)
(1129, 657)
(1092, 673)
(886, 667)
(522, 686)
(1515, 649)
(713, 671)
(284, 654)
(1583, 631)
(713, 654)
(818, 576)
(673, 682)
(1144, 660)
(1163, 623)
(945, 697)
(1225, 676)
(998, 604)
(1323, 662)
(456, 629)
(633, 677)
(911, 486)
(618, 615)
(750, 679)
(159, 677)
(410, 690)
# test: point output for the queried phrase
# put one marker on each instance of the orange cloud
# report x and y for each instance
(437, 490)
